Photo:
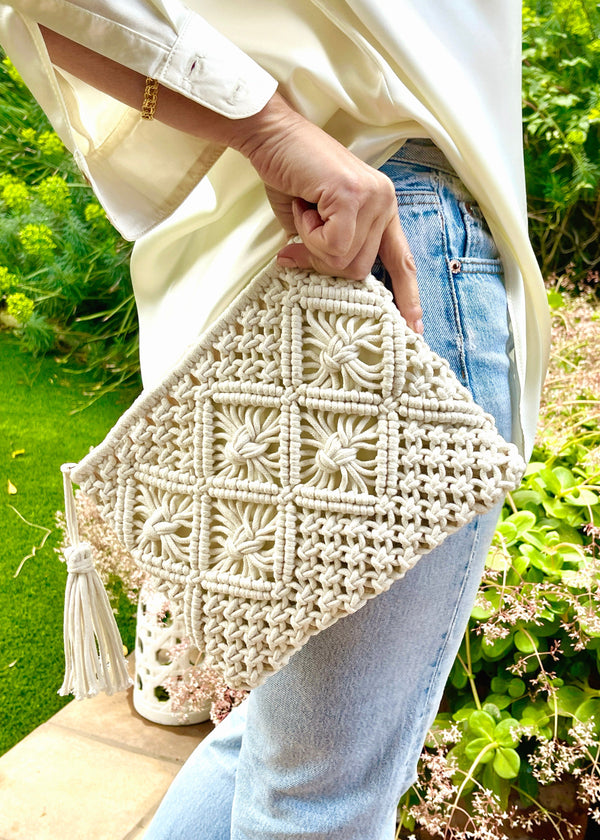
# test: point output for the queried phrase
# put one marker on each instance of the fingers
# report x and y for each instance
(350, 214)
(353, 259)
(319, 230)
(397, 258)
(395, 253)
(297, 255)
(346, 228)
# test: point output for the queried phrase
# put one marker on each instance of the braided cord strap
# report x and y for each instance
(300, 459)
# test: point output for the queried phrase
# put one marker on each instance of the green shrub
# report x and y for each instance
(522, 705)
(561, 113)
(64, 278)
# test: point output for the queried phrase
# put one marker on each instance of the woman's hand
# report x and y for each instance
(344, 211)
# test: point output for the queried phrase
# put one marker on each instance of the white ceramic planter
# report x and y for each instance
(154, 641)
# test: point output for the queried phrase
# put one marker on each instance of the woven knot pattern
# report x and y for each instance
(302, 457)
(79, 559)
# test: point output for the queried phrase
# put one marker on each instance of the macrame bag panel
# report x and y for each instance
(301, 458)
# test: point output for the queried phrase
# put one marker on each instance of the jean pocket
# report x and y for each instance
(481, 305)
(478, 238)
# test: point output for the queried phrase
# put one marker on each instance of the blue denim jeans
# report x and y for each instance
(325, 748)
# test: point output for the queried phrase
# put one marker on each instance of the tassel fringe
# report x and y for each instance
(94, 659)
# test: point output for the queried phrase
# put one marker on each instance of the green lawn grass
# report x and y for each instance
(36, 415)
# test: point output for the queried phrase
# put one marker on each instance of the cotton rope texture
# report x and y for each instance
(300, 459)
(94, 658)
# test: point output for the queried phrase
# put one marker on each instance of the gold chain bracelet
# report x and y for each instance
(150, 98)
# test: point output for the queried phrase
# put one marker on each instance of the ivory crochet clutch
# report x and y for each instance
(299, 460)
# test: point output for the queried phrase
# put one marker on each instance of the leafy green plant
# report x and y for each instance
(522, 704)
(561, 113)
(64, 271)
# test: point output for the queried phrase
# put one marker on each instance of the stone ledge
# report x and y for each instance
(96, 770)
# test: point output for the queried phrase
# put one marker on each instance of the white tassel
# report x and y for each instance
(94, 659)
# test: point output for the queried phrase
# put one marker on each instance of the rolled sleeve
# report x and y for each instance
(167, 41)
(141, 170)
(211, 70)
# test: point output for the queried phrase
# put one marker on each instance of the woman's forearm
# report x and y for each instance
(172, 108)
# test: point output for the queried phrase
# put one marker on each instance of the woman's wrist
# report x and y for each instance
(267, 127)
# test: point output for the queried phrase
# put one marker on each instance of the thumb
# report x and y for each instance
(295, 255)
(306, 220)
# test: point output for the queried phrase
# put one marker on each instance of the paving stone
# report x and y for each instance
(139, 831)
(138, 835)
(59, 784)
(114, 720)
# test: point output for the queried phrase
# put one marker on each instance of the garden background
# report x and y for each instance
(522, 707)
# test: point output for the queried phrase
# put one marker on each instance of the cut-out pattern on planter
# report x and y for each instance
(157, 636)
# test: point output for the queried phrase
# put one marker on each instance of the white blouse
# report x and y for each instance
(372, 73)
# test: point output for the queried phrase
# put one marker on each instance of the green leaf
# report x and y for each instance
(538, 712)
(534, 714)
(491, 710)
(526, 641)
(565, 477)
(464, 712)
(522, 498)
(481, 613)
(516, 687)
(569, 699)
(566, 100)
(536, 539)
(555, 300)
(533, 554)
(498, 701)
(500, 684)
(499, 786)
(498, 561)
(458, 675)
(476, 746)
(568, 534)
(551, 624)
(507, 531)
(589, 710)
(457, 754)
(442, 721)
(534, 468)
(497, 648)
(526, 499)
(571, 555)
(580, 670)
(557, 508)
(519, 565)
(550, 480)
(481, 723)
(549, 563)
(503, 733)
(527, 783)
(582, 497)
(523, 521)
(407, 821)
(506, 763)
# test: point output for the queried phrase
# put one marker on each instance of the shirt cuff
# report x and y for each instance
(210, 69)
